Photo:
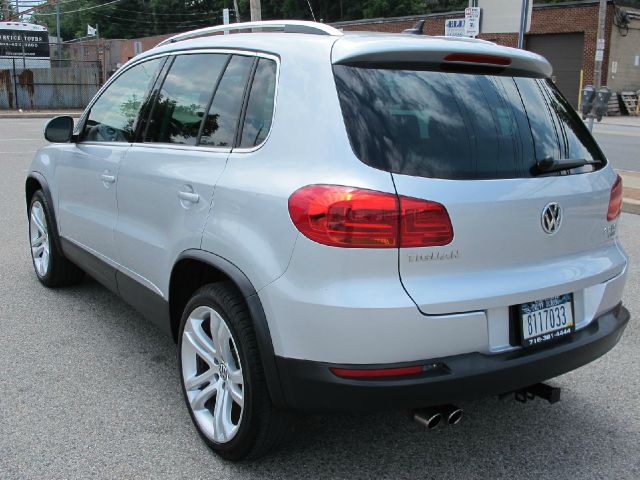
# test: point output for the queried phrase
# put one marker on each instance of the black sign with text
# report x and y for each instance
(16, 43)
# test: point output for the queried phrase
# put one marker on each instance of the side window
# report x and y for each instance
(257, 120)
(222, 118)
(182, 101)
(114, 116)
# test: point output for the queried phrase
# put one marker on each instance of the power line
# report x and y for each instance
(82, 9)
(164, 14)
(153, 22)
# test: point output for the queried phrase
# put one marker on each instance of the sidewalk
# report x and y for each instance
(620, 120)
(630, 191)
(38, 113)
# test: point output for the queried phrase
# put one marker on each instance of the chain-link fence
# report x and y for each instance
(38, 76)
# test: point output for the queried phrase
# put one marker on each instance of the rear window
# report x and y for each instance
(458, 126)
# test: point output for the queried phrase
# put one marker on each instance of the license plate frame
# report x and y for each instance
(544, 305)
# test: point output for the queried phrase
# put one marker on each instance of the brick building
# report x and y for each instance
(565, 33)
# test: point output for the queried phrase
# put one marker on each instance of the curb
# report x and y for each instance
(39, 115)
(631, 206)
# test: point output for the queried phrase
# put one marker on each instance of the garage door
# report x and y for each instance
(564, 52)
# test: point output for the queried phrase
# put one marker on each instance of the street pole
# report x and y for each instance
(256, 11)
(58, 31)
(524, 13)
(597, 69)
(235, 7)
(17, 10)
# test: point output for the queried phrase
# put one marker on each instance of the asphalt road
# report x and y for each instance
(90, 389)
(621, 144)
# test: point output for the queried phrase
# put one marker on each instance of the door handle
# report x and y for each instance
(189, 197)
(106, 178)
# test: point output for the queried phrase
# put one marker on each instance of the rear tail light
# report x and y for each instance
(615, 202)
(351, 217)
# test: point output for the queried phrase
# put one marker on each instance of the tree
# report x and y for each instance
(140, 18)
(6, 10)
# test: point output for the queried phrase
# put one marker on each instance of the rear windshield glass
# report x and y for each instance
(459, 126)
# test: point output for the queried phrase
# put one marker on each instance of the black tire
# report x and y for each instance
(60, 271)
(262, 427)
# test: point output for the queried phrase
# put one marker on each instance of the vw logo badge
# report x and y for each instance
(551, 218)
(224, 372)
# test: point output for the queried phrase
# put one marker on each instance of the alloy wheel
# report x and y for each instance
(39, 236)
(212, 374)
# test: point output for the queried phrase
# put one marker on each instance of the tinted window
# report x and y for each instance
(182, 101)
(457, 126)
(114, 116)
(222, 120)
(257, 120)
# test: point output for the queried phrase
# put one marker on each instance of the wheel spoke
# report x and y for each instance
(221, 412)
(236, 394)
(197, 381)
(223, 341)
(38, 221)
(37, 240)
(235, 376)
(200, 342)
(38, 251)
(198, 401)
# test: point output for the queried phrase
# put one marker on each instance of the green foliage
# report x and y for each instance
(140, 18)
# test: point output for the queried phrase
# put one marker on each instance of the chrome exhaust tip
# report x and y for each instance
(452, 414)
(429, 418)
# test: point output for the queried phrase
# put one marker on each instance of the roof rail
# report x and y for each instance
(289, 26)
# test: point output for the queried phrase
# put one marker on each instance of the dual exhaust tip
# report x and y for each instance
(431, 417)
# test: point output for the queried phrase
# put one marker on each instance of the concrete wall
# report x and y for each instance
(625, 47)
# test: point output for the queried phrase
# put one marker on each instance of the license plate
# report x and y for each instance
(546, 320)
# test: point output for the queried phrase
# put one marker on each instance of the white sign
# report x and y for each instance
(637, 61)
(472, 21)
(614, 67)
(454, 27)
(599, 55)
(601, 44)
(225, 19)
(503, 16)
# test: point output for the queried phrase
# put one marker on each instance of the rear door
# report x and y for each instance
(167, 180)
(470, 143)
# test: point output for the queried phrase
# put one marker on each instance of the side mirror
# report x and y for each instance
(59, 130)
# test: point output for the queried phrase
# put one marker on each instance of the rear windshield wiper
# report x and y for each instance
(550, 164)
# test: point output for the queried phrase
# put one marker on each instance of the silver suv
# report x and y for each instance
(326, 221)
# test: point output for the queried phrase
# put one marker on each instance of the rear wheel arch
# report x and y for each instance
(195, 268)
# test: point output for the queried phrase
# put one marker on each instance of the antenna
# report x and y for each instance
(310, 8)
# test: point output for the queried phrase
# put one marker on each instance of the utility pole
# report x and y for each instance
(597, 70)
(58, 47)
(524, 13)
(235, 7)
(17, 10)
(256, 11)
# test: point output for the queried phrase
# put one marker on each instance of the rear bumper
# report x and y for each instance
(310, 386)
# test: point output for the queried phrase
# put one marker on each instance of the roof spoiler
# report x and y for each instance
(449, 53)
